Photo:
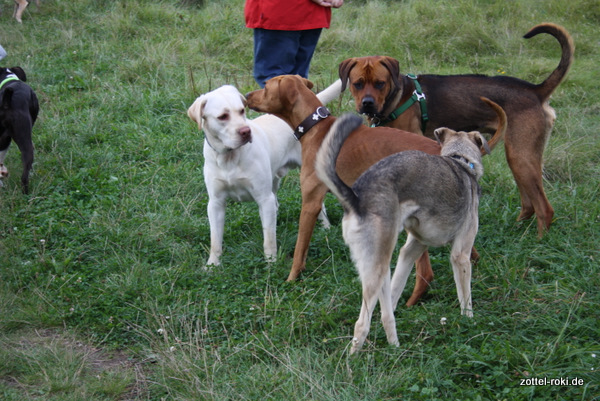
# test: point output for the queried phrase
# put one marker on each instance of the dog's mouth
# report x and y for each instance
(368, 107)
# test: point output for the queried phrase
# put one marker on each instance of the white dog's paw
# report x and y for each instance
(212, 262)
(467, 312)
(271, 258)
(356, 345)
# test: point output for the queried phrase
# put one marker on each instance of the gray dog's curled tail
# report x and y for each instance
(327, 157)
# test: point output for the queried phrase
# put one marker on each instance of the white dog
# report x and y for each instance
(244, 160)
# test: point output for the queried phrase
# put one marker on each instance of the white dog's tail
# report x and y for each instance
(328, 154)
(331, 92)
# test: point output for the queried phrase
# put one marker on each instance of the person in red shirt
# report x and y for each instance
(286, 33)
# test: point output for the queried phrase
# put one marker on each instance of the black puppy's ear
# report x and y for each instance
(19, 72)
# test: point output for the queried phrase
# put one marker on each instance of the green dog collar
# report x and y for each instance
(11, 77)
(417, 96)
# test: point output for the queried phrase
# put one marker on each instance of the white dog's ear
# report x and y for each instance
(440, 134)
(244, 101)
(197, 109)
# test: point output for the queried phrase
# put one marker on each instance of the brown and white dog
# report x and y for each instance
(379, 90)
(435, 198)
(289, 97)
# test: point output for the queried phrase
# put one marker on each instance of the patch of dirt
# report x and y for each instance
(97, 360)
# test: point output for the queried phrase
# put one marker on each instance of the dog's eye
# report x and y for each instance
(223, 117)
(359, 85)
(379, 84)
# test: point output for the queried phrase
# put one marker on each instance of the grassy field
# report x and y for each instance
(102, 295)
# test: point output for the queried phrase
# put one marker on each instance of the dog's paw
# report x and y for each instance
(356, 345)
(210, 264)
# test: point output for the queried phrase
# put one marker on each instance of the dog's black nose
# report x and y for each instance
(368, 104)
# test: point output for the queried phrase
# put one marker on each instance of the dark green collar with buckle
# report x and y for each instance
(417, 96)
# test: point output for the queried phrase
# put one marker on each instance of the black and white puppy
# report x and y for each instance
(19, 109)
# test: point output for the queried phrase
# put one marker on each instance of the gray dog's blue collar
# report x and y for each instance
(464, 160)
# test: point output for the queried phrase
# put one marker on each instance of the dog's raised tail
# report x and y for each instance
(545, 89)
(502, 124)
(327, 157)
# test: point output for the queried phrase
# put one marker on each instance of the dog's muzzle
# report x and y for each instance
(368, 106)
(245, 134)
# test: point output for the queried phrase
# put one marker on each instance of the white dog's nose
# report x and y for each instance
(246, 134)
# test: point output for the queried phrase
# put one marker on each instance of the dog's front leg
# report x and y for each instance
(267, 209)
(216, 219)
(313, 194)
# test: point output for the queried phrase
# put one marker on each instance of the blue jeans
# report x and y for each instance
(283, 52)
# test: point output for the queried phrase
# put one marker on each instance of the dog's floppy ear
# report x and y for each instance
(244, 101)
(440, 134)
(306, 82)
(197, 109)
(393, 66)
(19, 72)
(481, 142)
(344, 71)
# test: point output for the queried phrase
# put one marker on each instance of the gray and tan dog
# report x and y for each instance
(434, 198)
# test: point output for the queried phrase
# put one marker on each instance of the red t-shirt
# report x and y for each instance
(286, 15)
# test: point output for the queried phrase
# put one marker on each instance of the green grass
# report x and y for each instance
(102, 295)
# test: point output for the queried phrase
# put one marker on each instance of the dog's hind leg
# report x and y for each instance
(461, 267)
(371, 245)
(409, 253)
(528, 176)
(22, 137)
(387, 311)
(424, 276)
(524, 154)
